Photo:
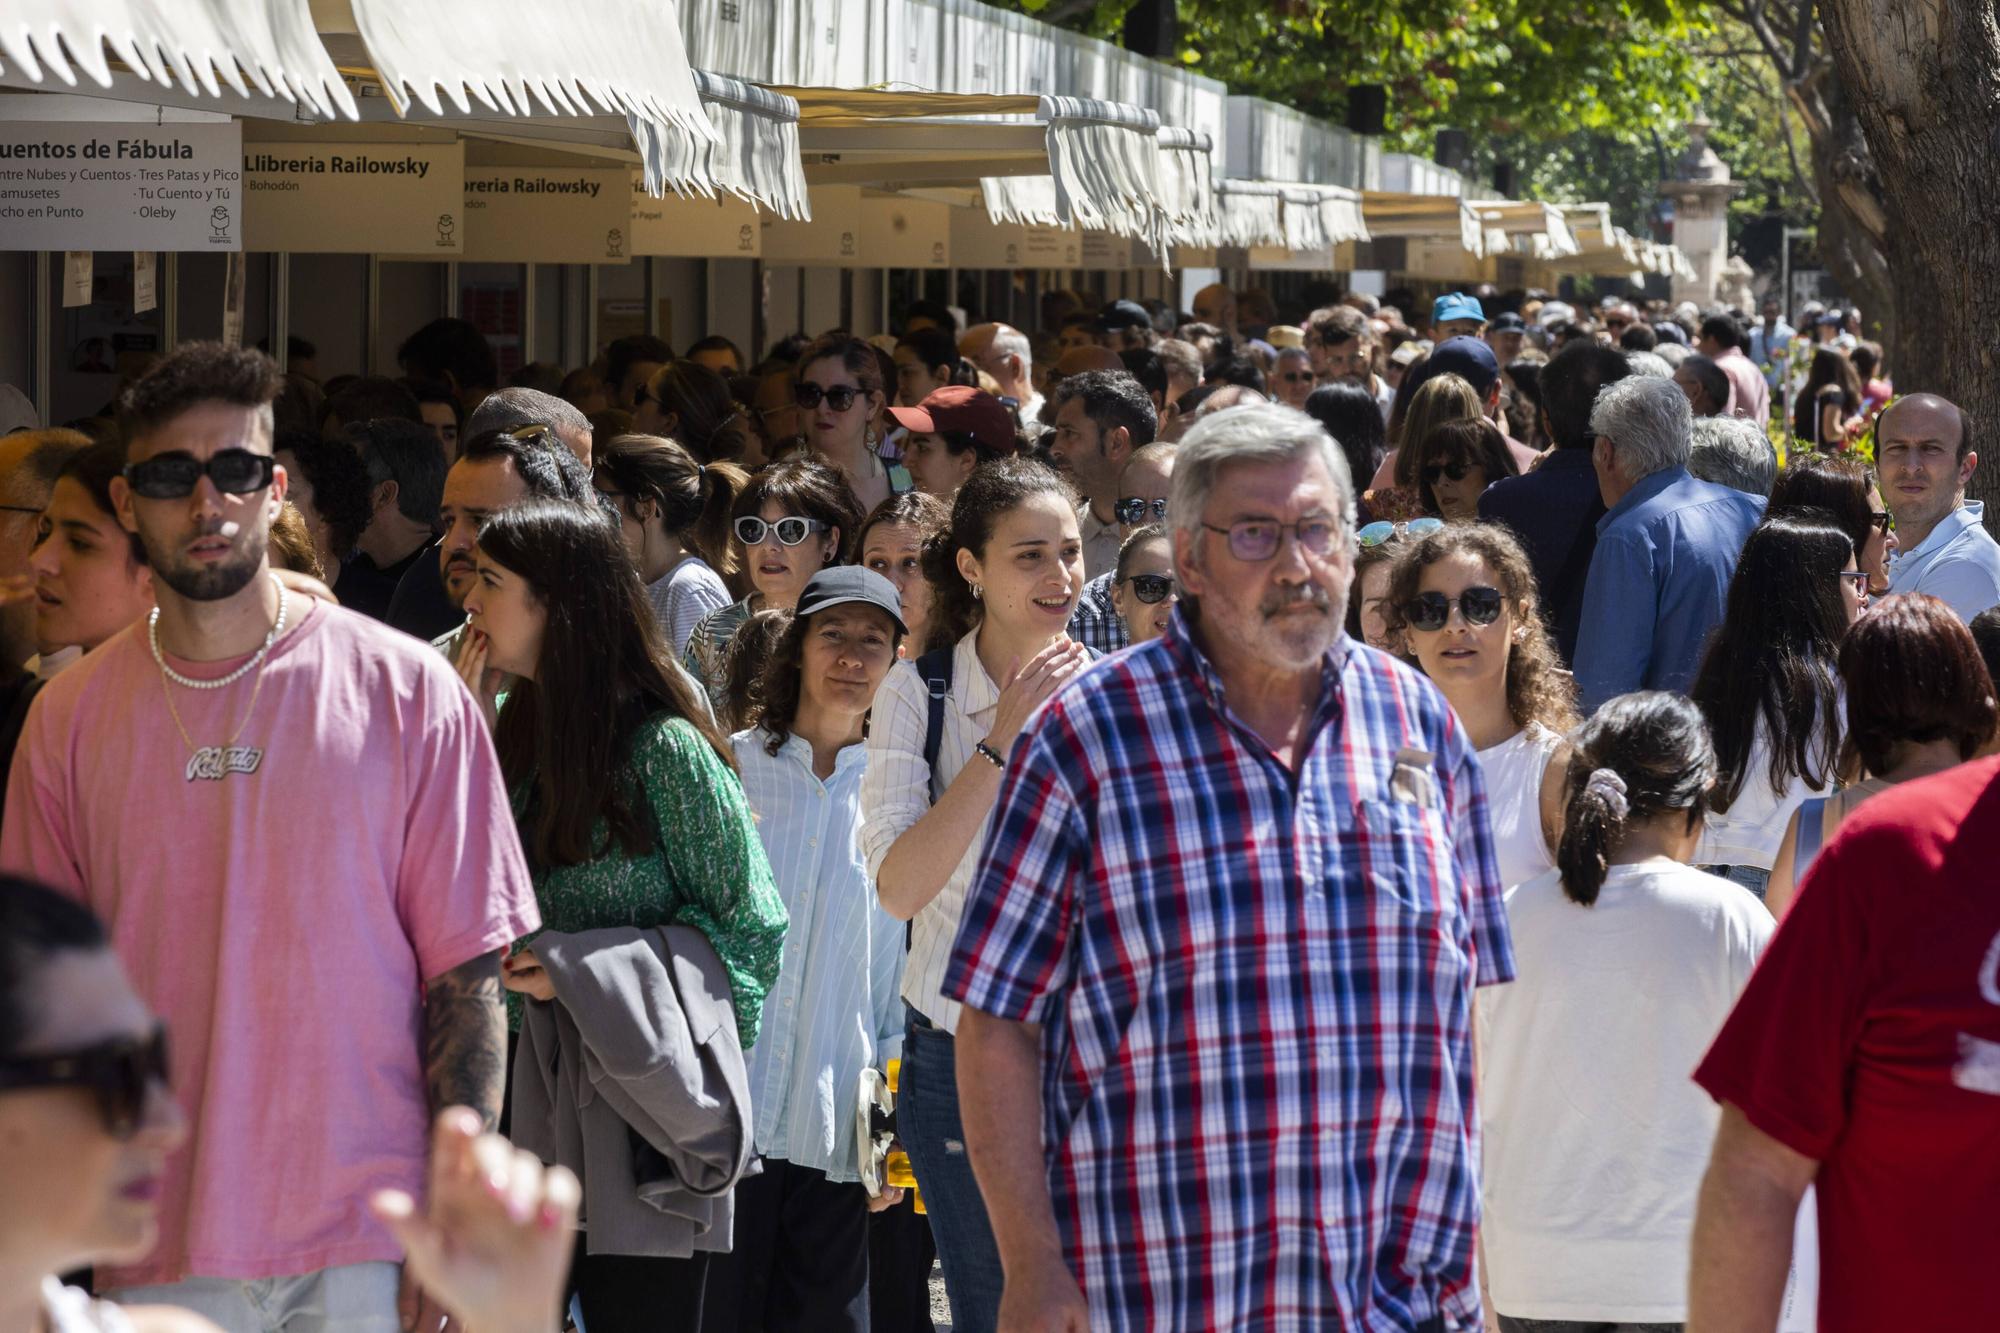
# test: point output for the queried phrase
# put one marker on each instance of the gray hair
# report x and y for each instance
(1647, 363)
(1010, 341)
(1648, 422)
(1733, 452)
(1252, 433)
(1673, 353)
(507, 409)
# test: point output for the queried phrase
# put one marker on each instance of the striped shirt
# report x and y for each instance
(896, 793)
(1254, 986)
(682, 596)
(833, 1010)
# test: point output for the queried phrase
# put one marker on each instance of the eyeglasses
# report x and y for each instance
(791, 530)
(1132, 509)
(174, 476)
(1256, 539)
(1297, 377)
(1883, 520)
(1377, 534)
(1432, 610)
(840, 397)
(1615, 325)
(1455, 471)
(120, 1072)
(1859, 578)
(1152, 589)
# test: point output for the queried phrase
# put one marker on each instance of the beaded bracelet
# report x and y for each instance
(987, 752)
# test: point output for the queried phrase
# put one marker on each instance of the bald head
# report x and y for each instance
(1920, 417)
(1003, 352)
(1924, 458)
(1216, 304)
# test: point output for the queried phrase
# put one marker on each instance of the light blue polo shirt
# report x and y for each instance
(1959, 564)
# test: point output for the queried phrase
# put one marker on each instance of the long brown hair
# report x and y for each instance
(709, 423)
(694, 498)
(1441, 398)
(993, 489)
(1538, 689)
(604, 671)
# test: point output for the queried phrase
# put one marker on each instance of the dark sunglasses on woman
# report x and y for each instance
(1152, 589)
(840, 397)
(1432, 610)
(1456, 471)
(119, 1072)
(174, 476)
(791, 530)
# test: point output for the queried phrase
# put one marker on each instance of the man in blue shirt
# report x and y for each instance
(1554, 509)
(1770, 340)
(1925, 462)
(1666, 546)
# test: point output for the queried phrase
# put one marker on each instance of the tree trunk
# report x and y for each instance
(1923, 79)
(1852, 226)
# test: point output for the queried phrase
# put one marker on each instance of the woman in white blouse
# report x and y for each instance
(1462, 601)
(1005, 575)
(802, 1232)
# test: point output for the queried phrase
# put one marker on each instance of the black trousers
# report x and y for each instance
(800, 1261)
(900, 1255)
(623, 1293)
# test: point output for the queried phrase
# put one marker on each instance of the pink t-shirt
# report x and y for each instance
(283, 920)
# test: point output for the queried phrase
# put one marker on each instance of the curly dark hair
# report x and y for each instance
(201, 373)
(341, 491)
(757, 689)
(1538, 689)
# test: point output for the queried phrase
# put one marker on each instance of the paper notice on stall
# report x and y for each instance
(232, 302)
(721, 228)
(111, 185)
(354, 198)
(79, 267)
(145, 288)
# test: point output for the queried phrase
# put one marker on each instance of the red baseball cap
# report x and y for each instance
(962, 408)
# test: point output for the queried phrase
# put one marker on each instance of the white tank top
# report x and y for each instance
(1514, 769)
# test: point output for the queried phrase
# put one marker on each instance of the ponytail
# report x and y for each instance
(1642, 755)
(708, 533)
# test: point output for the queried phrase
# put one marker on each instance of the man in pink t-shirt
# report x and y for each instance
(293, 824)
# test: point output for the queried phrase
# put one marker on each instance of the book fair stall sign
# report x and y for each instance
(98, 185)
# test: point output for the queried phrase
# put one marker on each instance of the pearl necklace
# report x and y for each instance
(188, 682)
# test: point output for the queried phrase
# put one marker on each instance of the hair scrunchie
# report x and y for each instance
(1607, 786)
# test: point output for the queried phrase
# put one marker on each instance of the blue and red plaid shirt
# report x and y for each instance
(1255, 991)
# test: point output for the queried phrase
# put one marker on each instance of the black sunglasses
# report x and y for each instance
(174, 476)
(1152, 589)
(1432, 610)
(751, 530)
(1132, 509)
(1456, 471)
(120, 1072)
(840, 397)
(1882, 520)
(1297, 377)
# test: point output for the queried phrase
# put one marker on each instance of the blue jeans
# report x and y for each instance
(1750, 877)
(927, 1121)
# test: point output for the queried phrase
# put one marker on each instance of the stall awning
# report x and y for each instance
(1534, 229)
(1252, 213)
(1425, 217)
(1343, 216)
(1040, 161)
(498, 68)
(1187, 188)
(268, 48)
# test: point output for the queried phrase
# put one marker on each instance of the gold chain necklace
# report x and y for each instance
(215, 762)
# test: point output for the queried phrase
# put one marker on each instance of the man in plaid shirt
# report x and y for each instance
(1239, 888)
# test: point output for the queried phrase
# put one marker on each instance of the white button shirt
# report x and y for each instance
(896, 793)
(833, 1010)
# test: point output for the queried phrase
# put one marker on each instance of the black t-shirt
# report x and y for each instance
(366, 588)
(421, 606)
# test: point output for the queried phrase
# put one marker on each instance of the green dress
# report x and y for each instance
(706, 870)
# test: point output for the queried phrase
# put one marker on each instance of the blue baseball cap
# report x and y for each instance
(1467, 357)
(1456, 305)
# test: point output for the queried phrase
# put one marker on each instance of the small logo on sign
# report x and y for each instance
(745, 238)
(1013, 254)
(614, 244)
(846, 244)
(447, 229)
(218, 222)
(937, 252)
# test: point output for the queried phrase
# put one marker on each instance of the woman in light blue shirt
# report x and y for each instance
(802, 1232)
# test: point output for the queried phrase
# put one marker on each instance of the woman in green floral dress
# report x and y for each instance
(626, 797)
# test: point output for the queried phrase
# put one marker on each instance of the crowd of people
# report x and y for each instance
(1361, 816)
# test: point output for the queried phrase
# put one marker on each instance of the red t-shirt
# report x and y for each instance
(1869, 1040)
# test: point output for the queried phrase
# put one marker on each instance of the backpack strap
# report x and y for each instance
(1812, 831)
(935, 669)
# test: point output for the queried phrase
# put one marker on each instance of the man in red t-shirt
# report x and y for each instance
(1864, 1059)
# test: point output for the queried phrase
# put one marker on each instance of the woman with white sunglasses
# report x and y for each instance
(792, 520)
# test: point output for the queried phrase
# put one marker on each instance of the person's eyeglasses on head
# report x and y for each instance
(1383, 531)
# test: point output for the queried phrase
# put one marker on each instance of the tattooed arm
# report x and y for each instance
(465, 1063)
(465, 1039)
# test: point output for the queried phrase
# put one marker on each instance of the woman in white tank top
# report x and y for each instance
(1463, 601)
